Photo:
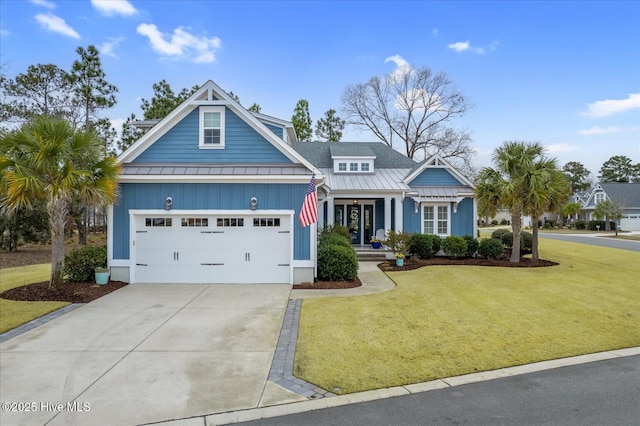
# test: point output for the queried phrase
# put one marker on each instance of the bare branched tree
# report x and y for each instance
(409, 110)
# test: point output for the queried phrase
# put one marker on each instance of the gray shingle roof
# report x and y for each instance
(319, 153)
(623, 194)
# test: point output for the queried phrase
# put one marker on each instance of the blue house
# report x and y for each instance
(212, 192)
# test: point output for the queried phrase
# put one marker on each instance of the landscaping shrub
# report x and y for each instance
(580, 224)
(80, 263)
(504, 222)
(436, 242)
(526, 240)
(454, 246)
(335, 229)
(472, 245)
(398, 242)
(491, 248)
(547, 225)
(337, 263)
(494, 222)
(421, 246)
(497, 234)
(334, 239)
(593, 224)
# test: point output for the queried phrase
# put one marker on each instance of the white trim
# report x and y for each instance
(202, 111)
(303, 264)
(399, 206)
(110, 236)
(435, 217)
(217, 179)
(133, 214)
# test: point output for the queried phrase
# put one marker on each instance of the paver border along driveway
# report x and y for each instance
(147, 353)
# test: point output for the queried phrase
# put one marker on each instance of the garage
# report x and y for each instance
(211, 247)
(630, 223)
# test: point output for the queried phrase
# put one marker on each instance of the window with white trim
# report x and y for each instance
(435, 219)
(342, 167)
(353, 167)
(364, 167)
(212, 127)
(599, 196)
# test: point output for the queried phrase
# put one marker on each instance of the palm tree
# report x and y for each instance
(49, 160)
(547, 190)
(506, 184)
(571, 210)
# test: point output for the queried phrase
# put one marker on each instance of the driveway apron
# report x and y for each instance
(145, 353)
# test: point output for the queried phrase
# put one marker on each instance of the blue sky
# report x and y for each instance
(566, 74)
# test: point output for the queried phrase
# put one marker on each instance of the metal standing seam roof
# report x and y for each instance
(214, 170)
(381, 180)
(442, 192)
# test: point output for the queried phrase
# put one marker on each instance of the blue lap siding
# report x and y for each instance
(220, 196)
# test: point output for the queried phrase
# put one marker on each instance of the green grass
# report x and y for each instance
(444, 321)
(13, 313)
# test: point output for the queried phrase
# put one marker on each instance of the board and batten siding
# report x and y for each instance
(209, 196)
(242, 144)
(461, 221)
(435, 177)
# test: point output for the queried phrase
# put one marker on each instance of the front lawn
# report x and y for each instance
(13, 313)
(444, 321)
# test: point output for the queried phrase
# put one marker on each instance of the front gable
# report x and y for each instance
(210, 127)
(242, 144)
(435, 171)
(597, 195)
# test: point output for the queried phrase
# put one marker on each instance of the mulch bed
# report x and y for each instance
(415, 263)
(328, 285)
(70, 292)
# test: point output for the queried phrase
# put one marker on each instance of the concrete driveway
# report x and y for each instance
(147, 353)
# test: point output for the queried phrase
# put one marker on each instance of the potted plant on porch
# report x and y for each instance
(376, 244)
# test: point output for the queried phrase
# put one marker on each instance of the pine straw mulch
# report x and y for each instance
(328, 285)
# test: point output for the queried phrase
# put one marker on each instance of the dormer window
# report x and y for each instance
(211, 127)
(342, 167)
(364, 167)
(598, 197)
(353, 167)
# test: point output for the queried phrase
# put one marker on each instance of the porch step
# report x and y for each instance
(368, 254)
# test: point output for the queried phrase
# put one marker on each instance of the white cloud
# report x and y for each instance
(560, 147)
(434, 32)
(459, 46)
(462, 46)
(181, 44)
(4, 32)
(44, 3)
(597, 130)
(403, 67)
(613, 106)
(113, 7)
(107, 48)
(56, 24)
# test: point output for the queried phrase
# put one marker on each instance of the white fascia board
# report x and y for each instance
(445, 165)
(271, 119)
(353, 157)
(215, 179)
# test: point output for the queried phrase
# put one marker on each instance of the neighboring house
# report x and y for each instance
(625, 195)
(212, 192)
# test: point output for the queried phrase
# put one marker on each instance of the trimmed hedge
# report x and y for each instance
(334, 239)
(336, 229)
(592, 225)
(491, 248)
(497, 234)
(424, 245)
(526, 240)
(80, 264)
(580, 224)
(472, 245)
(337, 263)
(454, 246)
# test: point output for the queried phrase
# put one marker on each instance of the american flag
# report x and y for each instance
(309, 210)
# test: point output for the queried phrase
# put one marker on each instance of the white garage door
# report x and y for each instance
(630, 223)
(229, 248)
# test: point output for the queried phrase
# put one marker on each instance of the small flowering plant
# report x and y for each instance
(399, 255)
(374, 240)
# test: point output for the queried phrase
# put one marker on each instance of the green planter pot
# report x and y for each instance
(102, 276)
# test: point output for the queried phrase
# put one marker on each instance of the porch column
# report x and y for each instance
(321, 213)
(330, 212)
(398, 214)
(387, 214)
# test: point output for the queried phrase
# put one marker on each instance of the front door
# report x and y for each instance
(354, 222)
